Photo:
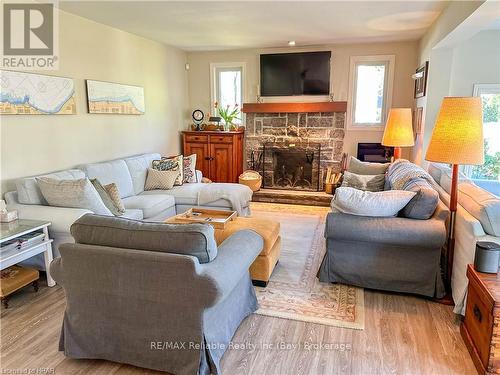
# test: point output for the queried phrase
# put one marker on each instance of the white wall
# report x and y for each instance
(439, 68)
(406, 61)
(475, 61)
(88, 50)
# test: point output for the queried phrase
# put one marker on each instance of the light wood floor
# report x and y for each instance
(402, 335)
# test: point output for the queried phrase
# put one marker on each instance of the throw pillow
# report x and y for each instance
(189, 168)
(363, 167)
(171, 164)
(366, 203)
(106, 198)
(114, 194)
(424, 203)
(364, 182)
(164, 180)
(72, 193)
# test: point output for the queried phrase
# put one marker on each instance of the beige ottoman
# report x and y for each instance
(262, 268)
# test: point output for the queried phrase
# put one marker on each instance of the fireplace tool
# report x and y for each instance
(256, 160)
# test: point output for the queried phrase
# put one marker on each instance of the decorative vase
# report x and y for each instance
(227, 126)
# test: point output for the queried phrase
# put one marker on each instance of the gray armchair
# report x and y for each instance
(393, 254)
(154, 308)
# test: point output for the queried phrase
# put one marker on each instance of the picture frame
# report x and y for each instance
(417, 120)
(114, 98)
(421, 80)
(25, 93)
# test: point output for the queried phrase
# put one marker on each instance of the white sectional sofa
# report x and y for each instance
(129, 174)
(478, 219)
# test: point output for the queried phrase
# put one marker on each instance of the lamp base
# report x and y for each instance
(397, 153)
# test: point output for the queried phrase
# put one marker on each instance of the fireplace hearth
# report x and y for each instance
(291, 166)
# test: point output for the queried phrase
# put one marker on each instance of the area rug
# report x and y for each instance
(294, 292)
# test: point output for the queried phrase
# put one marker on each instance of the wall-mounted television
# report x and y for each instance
(289, 74)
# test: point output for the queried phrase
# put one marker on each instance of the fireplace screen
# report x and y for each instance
(292, 166)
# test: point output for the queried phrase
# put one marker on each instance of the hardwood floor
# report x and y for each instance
(402, 335)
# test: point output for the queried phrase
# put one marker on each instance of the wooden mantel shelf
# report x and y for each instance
(294, 107)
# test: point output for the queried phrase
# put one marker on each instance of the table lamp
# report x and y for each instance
(457, 138)
(398, 130)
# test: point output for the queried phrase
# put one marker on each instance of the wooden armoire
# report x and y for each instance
(219, 155)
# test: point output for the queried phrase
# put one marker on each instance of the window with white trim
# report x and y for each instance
(370, 91)
(490, 170)
(227, 85)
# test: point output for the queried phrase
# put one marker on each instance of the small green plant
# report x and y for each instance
(228, 114)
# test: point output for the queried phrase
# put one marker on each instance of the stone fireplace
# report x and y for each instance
(291, 166)
(292, 150)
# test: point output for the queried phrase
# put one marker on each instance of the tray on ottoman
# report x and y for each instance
(217, 218)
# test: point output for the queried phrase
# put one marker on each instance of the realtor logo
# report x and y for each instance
(29, 36)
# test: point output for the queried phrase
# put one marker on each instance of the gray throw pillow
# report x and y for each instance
(424, 203)
(366, 168)
(188, 239)
(72, 193)
(364, 182)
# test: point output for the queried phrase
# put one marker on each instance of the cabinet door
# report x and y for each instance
(221, 163)
(202, 156)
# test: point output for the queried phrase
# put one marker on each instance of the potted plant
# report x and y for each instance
(228, 114)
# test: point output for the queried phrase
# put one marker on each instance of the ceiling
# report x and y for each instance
(207, 25)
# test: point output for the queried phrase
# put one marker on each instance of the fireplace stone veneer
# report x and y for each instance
(323, 128)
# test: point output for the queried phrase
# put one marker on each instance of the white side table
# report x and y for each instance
(15, 229)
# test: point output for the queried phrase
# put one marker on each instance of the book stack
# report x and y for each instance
(22, 242)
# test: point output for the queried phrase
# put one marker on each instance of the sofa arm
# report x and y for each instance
(389, 230)
(61, 218)
(234, 258)
(55, 270)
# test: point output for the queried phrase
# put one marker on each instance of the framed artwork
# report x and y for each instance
(417, 120)
(421, 80)
(36, 94)
(115, 98)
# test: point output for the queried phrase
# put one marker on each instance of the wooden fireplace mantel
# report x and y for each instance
(294, 107)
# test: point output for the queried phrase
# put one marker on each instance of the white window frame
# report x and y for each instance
(389, 60)
(214, 88)
(478, 90)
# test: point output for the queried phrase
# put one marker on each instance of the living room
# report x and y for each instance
(227, 187)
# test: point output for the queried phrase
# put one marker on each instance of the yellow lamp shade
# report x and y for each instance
(457, 137)
(398, 129)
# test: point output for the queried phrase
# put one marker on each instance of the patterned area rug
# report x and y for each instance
(293, 291)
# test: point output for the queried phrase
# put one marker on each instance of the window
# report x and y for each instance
(370, 91)
(490, 170)
(227, 85)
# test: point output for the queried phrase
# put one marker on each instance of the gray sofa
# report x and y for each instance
(129, 174)
(394, 254)
(153, 295)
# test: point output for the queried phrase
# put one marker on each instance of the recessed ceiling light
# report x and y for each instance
(291, 43)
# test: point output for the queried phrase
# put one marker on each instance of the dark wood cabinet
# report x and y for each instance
(481, 326)
(219, 155)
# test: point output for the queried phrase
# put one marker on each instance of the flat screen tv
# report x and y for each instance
(289, 74)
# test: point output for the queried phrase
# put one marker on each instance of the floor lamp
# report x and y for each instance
(398, 130)
(457, 139)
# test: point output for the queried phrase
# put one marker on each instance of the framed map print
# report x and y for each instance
(36, 94)
(115, 98)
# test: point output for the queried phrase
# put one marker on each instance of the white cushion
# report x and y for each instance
(134, 214)
(72, 193)
(151, 205)
(187, 194)
(481, 204)
(367, 203)
(111, 171)
(138, 168)
(28, 191)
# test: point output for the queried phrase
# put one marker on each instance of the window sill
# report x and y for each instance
(375, 128)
